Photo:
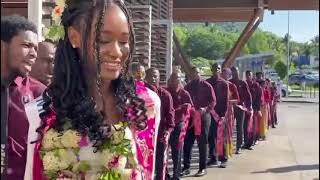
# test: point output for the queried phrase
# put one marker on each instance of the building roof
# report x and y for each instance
(232, 10)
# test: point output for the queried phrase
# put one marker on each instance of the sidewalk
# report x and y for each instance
(300, 99)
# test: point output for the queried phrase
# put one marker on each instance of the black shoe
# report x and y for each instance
(212, 163)
(223, 165)
(273, 127)
(200, 173)
(185, 172)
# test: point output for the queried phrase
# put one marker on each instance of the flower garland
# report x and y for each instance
(56, 31)
(68, 155)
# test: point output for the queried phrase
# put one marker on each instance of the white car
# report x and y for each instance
(285, 91)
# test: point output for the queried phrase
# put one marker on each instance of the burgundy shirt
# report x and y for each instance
(256, 93)
(180, 98)
(233, 95)
(21, 91)
(220, 88)
(202, 94)
(167, 111)
(244, 92)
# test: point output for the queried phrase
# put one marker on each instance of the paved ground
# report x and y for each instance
(291, 151)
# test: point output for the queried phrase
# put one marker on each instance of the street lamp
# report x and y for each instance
(288, 52)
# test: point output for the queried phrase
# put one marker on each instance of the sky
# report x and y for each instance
(304, 25)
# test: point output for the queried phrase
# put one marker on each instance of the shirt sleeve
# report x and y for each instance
(211, 97)
(247, 96)
(234, 92)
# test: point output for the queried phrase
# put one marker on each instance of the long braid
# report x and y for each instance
(68, 93)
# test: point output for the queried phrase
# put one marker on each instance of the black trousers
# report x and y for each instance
(213, 136)
(176, 153)
(202, 143)
(239, 115)
(160, 160)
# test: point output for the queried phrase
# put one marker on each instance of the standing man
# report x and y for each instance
(19, 46)
(234, 99)
(279, 88)
(167, 123)
(204, 100)
(256, 93)
(42, 70)
(183, 105)
(243, 108)
(217, 145)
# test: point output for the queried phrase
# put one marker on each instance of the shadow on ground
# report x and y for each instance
(289, 169)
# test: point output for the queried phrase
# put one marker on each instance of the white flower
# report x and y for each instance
(51, 140)
(50, 161)
(68, 156)
(126, 174)
(61, 3)
(70, 139)
(117, 134)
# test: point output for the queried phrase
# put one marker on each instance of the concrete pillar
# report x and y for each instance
(35, 15)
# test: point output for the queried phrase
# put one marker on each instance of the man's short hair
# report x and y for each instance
(12, 25)
(248, 72)
(150, 70)
(258, 73)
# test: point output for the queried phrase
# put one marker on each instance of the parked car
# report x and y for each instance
(285, 91)
(299, 79)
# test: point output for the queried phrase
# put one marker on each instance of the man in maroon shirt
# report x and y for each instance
(204, 100)
(42, 70)
(240, 113)
(166, 123)
(220, 88)
(182, 104)
(256, 94)
(18, 53)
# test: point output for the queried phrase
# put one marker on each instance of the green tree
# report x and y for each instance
(281, 69)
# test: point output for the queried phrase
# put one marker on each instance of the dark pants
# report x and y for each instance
(202, 143)
(176, 153)
(160, 160)
(247, 141)
(239, 115)
(274, 117)
(213, 136)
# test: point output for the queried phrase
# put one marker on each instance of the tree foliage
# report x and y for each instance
(209, 42)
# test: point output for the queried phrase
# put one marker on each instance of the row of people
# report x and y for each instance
(206, 110)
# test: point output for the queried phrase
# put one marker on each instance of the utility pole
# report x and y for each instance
(288, 53)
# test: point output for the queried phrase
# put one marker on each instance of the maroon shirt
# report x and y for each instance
(202, 94)
(256, 93)
(233, 95)
(180, 98)
(167, 111)
(220, 88)
(244, 92)
(21, 91)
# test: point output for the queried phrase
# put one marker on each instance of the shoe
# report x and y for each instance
(256, 143)
(200, 173)
(273, 127)
(185, 172)
(238, 151)
(223, 165)
(249, 148)
(212, 163)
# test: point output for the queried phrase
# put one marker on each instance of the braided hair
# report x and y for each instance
(68, 93)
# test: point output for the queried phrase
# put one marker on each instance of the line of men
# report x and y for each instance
(206, 111)
(201, 110)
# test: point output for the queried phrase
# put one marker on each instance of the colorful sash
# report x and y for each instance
(229, 131)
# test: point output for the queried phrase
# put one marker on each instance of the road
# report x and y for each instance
(291, 151)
